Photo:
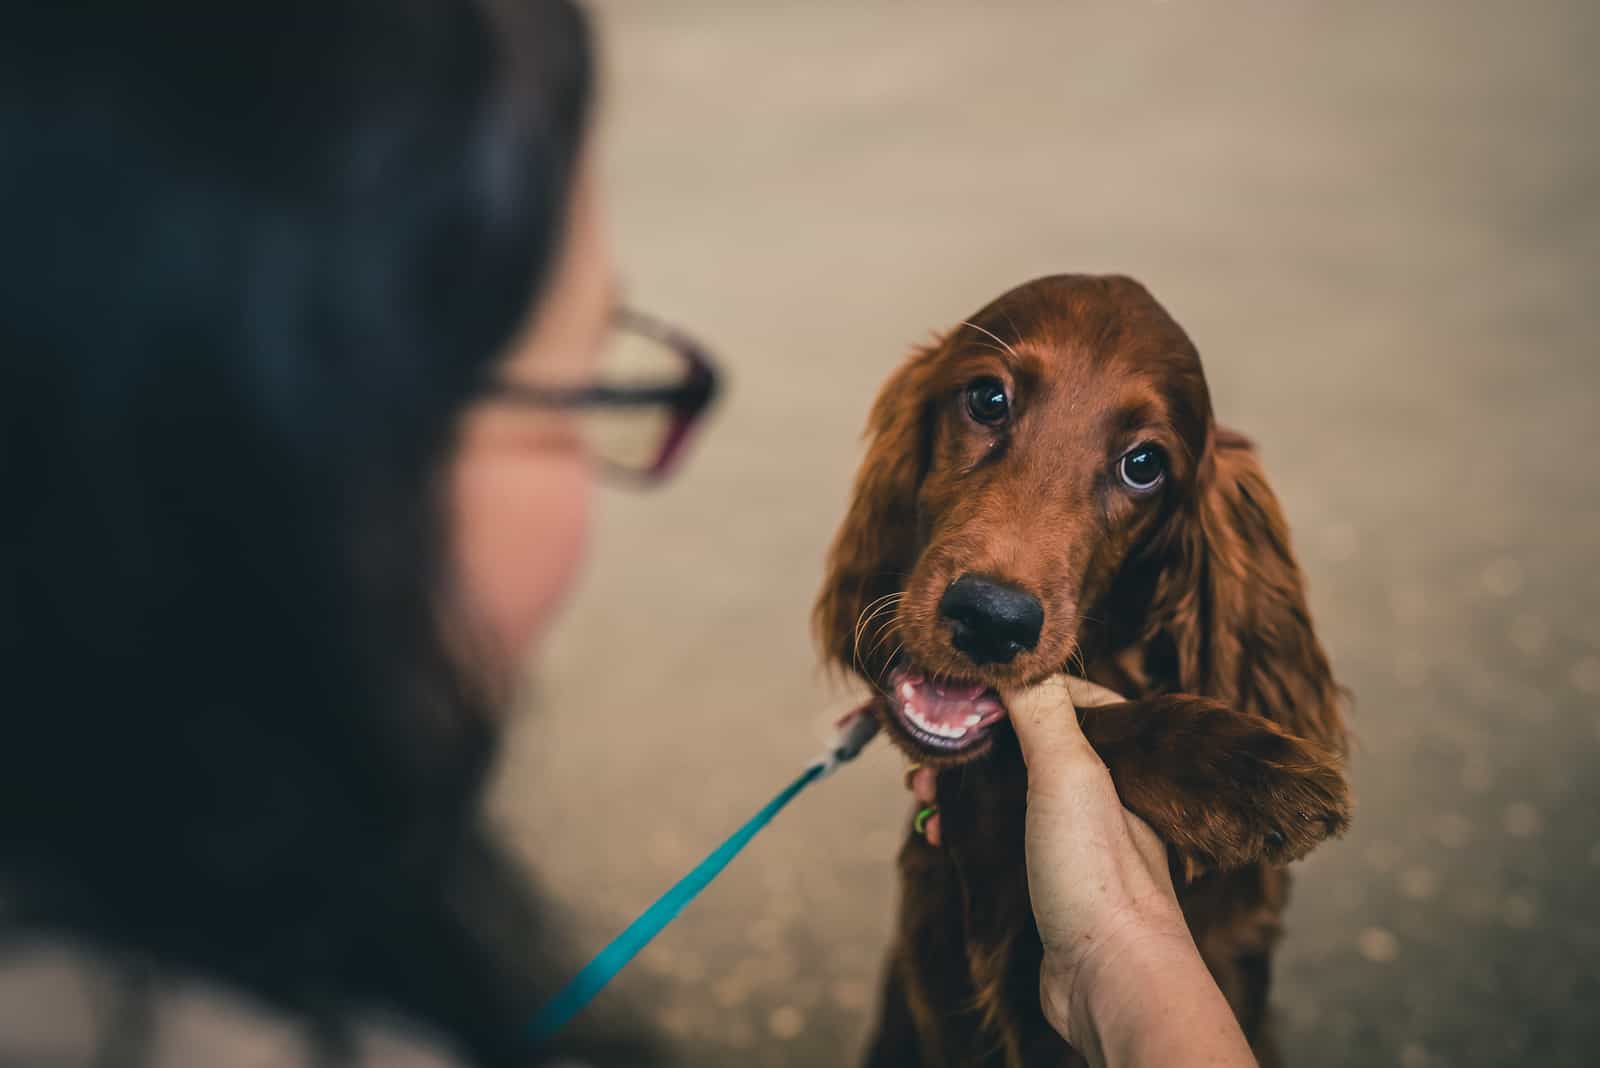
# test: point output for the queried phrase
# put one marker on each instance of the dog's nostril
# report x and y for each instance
(990, 621)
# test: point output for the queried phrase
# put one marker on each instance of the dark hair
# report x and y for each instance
(257, 259)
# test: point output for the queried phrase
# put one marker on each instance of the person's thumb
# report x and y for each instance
(1047, 723)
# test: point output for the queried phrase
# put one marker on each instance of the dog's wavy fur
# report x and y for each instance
(1190, 603)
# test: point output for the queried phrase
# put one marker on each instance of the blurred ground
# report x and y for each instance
(1379, 222)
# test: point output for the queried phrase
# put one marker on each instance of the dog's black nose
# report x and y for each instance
(991, 622)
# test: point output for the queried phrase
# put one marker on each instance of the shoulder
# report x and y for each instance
(68, 1003)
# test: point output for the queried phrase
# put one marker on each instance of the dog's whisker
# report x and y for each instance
(991, 348)
(1013, 324)
(863, 663)
(873, 606)
(877, 606)
(861, 629)
(882, 611)
(1077, 659)
(991, 333)
(873, 681)
(888, 633)
(894, 653)
(883, 616)
(876, 601)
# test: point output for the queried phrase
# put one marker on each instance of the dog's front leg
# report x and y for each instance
(894, 1040)
(926, 1018)
(1224, 788)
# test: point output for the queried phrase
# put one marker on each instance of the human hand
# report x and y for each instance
(1097, 874)
(1122, 980)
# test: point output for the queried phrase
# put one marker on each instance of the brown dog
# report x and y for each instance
(1045, 489)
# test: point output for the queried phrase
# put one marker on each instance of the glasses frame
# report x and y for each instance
(687, 400)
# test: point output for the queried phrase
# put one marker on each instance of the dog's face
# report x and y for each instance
(1017, 466)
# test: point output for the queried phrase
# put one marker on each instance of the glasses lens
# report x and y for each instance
(632, 436)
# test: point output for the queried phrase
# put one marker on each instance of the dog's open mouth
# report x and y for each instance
(946, 717)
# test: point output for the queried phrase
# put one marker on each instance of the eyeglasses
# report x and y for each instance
(654, 385)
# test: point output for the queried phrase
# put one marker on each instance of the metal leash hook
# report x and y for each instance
(855, 730)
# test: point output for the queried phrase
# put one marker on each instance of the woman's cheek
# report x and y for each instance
(522, 527)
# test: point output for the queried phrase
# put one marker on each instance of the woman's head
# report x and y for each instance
(260, 260)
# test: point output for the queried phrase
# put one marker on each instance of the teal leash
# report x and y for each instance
(856, 731)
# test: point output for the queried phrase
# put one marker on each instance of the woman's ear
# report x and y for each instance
(1232, 601)
(876, 544)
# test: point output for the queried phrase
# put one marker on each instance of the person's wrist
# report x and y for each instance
(1092, 997)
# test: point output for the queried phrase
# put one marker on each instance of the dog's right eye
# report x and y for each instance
(987, 402)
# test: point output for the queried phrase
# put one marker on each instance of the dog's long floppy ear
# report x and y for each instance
(1233, 603)
(877, 542)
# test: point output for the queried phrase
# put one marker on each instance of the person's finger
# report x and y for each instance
(1086, 694)
(931, 831)
(924, 785)
(1047, 723)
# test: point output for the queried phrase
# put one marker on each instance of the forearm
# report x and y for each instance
(1152, 1004)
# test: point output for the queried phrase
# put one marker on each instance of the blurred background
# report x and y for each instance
(1381, 225)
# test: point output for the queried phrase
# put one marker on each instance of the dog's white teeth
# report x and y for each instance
(974, 719)
(935, 729)
(907, 691)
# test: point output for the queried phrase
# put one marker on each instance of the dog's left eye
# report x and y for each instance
(987, 401)
(1142, 468)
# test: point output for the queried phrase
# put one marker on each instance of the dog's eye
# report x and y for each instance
(987, 401)
(1142, 468)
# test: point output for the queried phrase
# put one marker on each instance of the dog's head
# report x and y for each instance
(1046, 481)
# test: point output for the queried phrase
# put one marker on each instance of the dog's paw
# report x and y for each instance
(1224, 788)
